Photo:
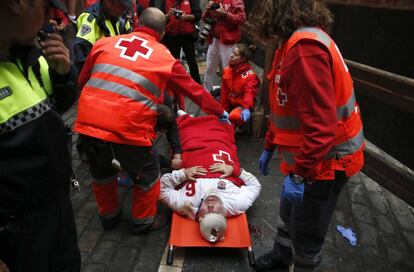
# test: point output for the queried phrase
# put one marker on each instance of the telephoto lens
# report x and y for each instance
(206, 30)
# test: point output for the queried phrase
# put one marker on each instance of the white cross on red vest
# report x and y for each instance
(134, 47)
(223, 157)
(281, 97)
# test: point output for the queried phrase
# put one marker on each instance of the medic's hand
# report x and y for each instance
(292, 190)
(225, 117)
(191, 172)
(3, 267)
(245, 115)
(56, 53)
(264, 162)
(226, 169)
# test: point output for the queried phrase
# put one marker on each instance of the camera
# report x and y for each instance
(206, 30)
(214, 6)
(177, 12)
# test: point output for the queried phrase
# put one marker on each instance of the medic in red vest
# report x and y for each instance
(239, 85)
(123, 80)
(314, 122)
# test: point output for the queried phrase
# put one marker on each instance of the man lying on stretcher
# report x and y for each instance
(211, 185)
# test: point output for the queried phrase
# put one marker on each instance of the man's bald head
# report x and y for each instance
(154, 19)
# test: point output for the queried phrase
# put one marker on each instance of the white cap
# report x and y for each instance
(213, 227)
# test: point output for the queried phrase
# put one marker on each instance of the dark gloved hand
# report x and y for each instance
(245, 114)
(264, 162)
(292, 190)
(225, 117)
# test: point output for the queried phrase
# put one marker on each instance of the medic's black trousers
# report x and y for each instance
(42, 241)
(302, 226)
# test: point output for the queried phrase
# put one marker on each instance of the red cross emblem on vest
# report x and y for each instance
(134, 47)
(223, 157)
(281, 97)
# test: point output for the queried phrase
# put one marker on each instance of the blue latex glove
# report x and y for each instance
(245, 114)
(225, 117)
(124, 181)
(264, 162)
(348, 234)
(292, 191)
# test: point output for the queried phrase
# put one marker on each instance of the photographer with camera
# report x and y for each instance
(225, 18)
(181, 31)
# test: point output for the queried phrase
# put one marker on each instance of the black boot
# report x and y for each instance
(267, 262)
(111, 223)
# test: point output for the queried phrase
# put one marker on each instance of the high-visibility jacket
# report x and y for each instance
(92, 25)
(18, 106)
(35, 160)
(347, 152)
(118, 103)
(178, 26)
(239, 87)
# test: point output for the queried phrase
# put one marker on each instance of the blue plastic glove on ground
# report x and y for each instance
(348, 234)
(225, 117)
(292, 191)
(264, 162)
(245, 114)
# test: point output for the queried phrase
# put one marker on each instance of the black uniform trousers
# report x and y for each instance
(42, 241)
(302, 226)
(186, 42)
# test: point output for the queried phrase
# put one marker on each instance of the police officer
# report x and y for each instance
(103, 19)
(37, 228)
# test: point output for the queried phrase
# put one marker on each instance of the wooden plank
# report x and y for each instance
(394, 4)
(389, 173)
(388, 88)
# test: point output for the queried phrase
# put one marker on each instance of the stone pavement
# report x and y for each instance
(384, 225)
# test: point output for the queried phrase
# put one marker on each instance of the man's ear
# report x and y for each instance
(162, 35)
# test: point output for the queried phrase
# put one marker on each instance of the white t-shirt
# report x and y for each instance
(236, 200)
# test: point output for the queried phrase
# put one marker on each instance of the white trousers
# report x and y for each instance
(217, 54)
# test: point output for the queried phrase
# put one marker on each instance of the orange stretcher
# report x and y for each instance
(186, 233)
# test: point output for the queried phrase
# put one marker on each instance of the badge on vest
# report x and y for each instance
(5, 92)
(85, 29)
(245, 74)
(221, 185)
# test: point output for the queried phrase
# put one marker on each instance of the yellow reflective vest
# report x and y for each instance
(19, 106)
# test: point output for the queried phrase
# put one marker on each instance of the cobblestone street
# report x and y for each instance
(384, 225)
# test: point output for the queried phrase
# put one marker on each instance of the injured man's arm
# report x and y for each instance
(208, 200)
(211, 186)
(188, 195)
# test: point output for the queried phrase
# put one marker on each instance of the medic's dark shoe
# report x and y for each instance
(111, 223)
(266, 263)
(159, 222)
(215, 92)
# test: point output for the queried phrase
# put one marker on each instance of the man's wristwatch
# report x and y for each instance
(296, 178)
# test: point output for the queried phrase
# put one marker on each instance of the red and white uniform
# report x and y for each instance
(315, 122)
(239, 87)
(123, 80)
(236, 200)
(205, 141)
